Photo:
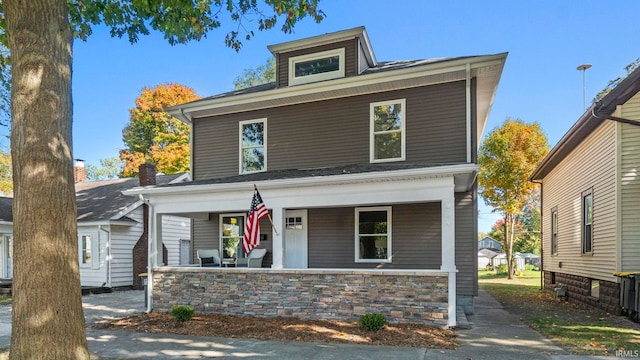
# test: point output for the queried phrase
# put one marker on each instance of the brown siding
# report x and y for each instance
(467, 243)
(350, 62)
(336, 132)
(416, 238)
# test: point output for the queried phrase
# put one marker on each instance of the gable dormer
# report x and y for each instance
(325, 57)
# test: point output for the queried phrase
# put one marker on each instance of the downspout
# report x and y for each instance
(150, 250)
(468, 110)
(614, 118)
(108, 256)
(189, 119)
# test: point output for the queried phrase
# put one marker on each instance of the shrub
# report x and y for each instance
(372, 322)
(531, 267)
(501, 269)
(182, 313)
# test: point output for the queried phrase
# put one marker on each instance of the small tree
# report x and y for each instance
(110, 168)
(507, 157)
(261, 75)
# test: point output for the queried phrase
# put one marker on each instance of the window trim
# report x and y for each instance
(554, 231)
(241, 148)
(403, 132)
(358, 210)
(583, 224)
(220, 236)
(93, 245)
(293, 80)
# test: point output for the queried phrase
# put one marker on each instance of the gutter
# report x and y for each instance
(601, 116)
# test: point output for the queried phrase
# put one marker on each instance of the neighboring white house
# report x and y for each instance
(109, 227)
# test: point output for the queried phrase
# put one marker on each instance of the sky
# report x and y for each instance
(546, 41)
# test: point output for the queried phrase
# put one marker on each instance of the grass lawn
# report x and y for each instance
(578, 329)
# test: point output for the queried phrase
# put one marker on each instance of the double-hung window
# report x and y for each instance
(587, 222)
(554, 231)
(318, 66)
(387, 127)
(231, 230)
(89, 246)
(373, 234)
(253, 146)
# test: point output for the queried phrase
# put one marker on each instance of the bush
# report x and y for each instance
(501, 269)
(531, 267)
(372, 322)
(182, 313)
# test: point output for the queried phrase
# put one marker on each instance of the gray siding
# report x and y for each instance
(206, 235)
(336, 132)
(416, 237)
(350, 63)
(467, 243)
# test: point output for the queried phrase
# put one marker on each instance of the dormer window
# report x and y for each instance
(318, 66)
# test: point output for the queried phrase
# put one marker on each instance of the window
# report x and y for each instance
(86, 249)
(387, 139)
(554, 231)
(373, 234)
(231, 230)
(253, 149)
(318, 66)
(587, 222)
(293, 223)
(595, 289)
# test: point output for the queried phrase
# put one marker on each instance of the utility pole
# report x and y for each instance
(584, 68)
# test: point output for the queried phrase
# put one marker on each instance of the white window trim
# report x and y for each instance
(93, 246)
(357, 234)
(293, 80)
(403, 145)
(583, 221)
(554, 232)
(220, 228)
(264, 144)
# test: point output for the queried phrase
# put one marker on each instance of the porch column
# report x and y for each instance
(449, 251)
(277, 232)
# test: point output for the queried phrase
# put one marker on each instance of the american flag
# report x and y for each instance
(258, 210)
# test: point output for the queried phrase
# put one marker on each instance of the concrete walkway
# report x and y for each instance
(493, 334)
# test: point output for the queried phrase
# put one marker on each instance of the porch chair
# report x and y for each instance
(253, 260)
(208, 258)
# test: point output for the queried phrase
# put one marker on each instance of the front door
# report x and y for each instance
(295, 239)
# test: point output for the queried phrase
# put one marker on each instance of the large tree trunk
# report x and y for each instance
(48, 322)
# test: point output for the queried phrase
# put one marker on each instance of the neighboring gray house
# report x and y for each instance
(368, 169)
(489, 243)
(110, 225)
(591, 200)
(485, 258)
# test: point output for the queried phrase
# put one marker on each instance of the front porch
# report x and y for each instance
(417, 296)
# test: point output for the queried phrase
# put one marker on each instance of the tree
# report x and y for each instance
(615, 82)
(507, 157)
(47, 318)
(110, 168)
(6, 175)
(263, 74)
(153, 135)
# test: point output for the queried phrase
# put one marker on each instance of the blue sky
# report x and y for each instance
(546, 41)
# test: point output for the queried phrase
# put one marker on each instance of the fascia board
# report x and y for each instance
(435, 171)
(315, 40)
(183, 111)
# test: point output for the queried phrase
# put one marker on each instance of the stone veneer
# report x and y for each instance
(579, 290)
(401, 296)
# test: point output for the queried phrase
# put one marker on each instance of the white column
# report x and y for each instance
(449, 252)
(277, 214)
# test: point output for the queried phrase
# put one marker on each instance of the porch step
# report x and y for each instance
(461, 319)
(88, 290)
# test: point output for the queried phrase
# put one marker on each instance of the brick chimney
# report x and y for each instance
(79, 171)
(147, 174)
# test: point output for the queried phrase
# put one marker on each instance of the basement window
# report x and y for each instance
(595, 289)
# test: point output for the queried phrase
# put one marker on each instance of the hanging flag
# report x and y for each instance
(258, 210)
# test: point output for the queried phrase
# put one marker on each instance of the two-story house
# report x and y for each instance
(368, 169)
(591, 197)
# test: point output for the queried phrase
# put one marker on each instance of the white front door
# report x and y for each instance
(185, 251)
(295, 239)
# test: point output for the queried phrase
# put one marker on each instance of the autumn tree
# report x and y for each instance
(110, 168)
(153, 135)
(262, 74)
(507, 157)
(47, 318)
(6, 173)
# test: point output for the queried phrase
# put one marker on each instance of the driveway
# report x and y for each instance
(96, 308)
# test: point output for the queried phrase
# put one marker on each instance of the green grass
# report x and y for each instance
(5, 300)
(580, 330)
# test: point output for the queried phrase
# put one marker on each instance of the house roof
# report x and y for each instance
(99, 201)
(103, 200)
(488, 253)
(588, 122)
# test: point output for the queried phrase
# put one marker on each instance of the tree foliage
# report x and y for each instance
(507, 157)
(263, 74)
(110, 168)
(615, 82)
(47, 318)
(153, 135)
(6, 174)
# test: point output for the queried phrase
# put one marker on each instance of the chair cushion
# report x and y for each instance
(208, 261)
